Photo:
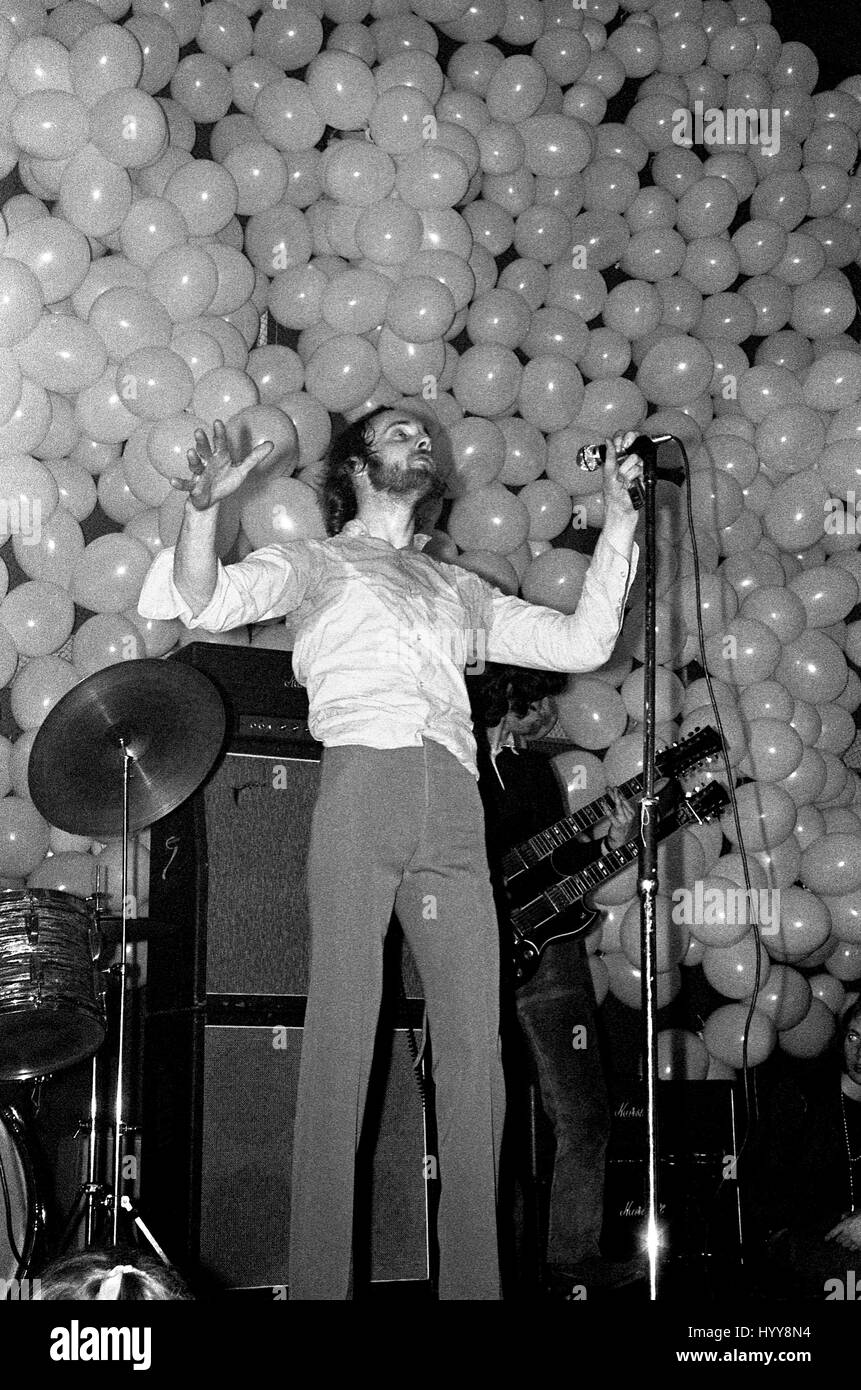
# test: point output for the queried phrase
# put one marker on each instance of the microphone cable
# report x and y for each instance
(748, 1078)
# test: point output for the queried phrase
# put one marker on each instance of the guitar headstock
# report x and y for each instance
(703, 804)
(681, 757)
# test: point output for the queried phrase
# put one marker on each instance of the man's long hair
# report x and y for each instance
(337, 490)
(500, 689)
(355, 444)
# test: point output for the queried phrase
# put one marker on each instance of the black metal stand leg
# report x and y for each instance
(84, 1209)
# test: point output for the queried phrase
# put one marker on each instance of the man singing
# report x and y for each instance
(383, 635)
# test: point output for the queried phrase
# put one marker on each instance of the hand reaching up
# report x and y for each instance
(215, 475)
(619, 474)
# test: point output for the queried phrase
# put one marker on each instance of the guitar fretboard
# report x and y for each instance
(539, 847)
(570, 890)
(668, 762)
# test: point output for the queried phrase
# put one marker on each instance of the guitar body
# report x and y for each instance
(524, 888)
(529, 941)
(518, 874)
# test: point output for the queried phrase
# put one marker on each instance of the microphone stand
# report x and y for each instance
(648, 860)
(643, 497)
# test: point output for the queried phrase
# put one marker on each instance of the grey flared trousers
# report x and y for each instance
(398, 829)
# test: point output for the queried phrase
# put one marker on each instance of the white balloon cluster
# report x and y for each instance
(473, 236)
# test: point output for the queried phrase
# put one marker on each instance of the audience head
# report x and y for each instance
(100, 1275)
(850, 1033)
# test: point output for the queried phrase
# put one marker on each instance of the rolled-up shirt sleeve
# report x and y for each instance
(531, 635)
(268, 583)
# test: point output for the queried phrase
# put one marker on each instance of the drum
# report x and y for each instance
(18, 1205)
(50, 1012)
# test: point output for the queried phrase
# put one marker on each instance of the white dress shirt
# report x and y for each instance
(383, 634)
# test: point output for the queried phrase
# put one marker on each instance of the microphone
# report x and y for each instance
(591, 456)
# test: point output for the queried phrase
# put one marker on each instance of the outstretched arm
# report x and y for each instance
(190, 583)
(214, 477)
(526, 634)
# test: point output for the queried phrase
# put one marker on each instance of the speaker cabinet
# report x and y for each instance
(250, 1076)
(227, 976)
(698, 1190)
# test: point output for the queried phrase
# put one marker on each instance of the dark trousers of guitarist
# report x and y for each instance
(556, 1009)
(557, 1013)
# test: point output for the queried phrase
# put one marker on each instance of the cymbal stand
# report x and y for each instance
(119, 1200)
(167, 719)
(92, 1187)
(119, 1106)
(92, 1191)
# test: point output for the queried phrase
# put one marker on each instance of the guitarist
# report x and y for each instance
(521, 796)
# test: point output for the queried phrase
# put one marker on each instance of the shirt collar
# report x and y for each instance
(358, 528)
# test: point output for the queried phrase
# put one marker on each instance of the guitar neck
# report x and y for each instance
(574, 887)
(669, 762)
(563, 831)
(571, 889)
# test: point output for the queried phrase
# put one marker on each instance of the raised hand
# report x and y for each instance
(214, 474)
(619, 475)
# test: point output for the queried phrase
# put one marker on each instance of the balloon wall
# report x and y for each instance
(540, 223)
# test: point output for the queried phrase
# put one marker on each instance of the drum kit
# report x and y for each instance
(122, 749)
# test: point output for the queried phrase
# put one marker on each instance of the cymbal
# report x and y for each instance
(169, 717)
